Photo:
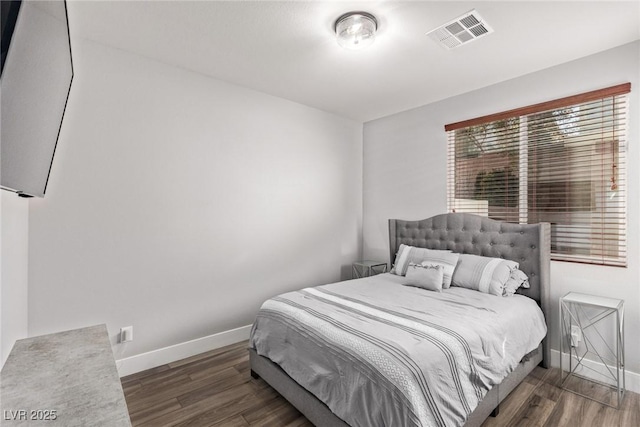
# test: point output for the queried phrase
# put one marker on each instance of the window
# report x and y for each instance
(562, 162)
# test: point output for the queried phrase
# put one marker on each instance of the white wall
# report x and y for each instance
(405, 171)
(14, 236)
(178, 203)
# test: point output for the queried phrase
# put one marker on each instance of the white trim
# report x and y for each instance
(151, 359)
(632, 378)
(161, 356)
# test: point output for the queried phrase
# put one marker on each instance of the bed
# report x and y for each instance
(287, 354)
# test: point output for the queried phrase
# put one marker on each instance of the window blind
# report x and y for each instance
(562, 162)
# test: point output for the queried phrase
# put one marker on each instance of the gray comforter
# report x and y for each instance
(382, 354)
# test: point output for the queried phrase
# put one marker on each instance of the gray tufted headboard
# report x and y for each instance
(527, 244)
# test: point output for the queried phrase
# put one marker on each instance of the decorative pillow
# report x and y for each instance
(516, 280)
(484, 274)
(447, 260)
(409, 254)
(429, 277)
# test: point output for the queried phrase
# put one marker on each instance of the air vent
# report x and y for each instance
(462, 30)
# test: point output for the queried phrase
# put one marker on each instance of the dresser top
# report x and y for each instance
(72, 373)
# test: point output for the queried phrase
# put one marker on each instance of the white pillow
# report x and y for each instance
(484, 274)
(405, 256)
(516, 280)
(410, 254)
(429, 277)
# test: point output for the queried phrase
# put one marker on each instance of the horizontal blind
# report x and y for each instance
(565, 165)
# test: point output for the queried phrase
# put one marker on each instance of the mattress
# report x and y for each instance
(377, 352)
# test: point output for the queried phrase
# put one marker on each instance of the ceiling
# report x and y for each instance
(288, 49)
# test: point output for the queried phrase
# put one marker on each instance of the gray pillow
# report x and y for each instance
(428, 276)
(410, 254)
(484, 274)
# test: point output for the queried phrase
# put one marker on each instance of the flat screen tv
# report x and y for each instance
(37, 71)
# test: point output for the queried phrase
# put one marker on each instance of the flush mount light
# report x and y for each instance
(356, 30)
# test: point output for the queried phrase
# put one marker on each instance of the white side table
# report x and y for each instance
(592, 333)
(367, 268)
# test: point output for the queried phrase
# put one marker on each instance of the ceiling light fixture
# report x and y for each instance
(356, 30)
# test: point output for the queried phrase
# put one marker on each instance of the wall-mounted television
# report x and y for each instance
(37, 71)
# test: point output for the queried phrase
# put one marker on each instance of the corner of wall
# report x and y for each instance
(14, 253)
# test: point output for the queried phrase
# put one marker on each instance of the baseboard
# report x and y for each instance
(151, 359)
(161, 356)
(632, 378)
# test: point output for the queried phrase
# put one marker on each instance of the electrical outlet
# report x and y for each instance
(126, 334)
(576, 335)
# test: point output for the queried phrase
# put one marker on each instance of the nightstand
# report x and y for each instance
(362, 269)
(592, 333)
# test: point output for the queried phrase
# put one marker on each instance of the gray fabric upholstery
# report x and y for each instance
(312, 408)
(527, 244)
(498, 393)
(320, 415)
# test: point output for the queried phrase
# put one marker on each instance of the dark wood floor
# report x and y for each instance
(216, 389)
